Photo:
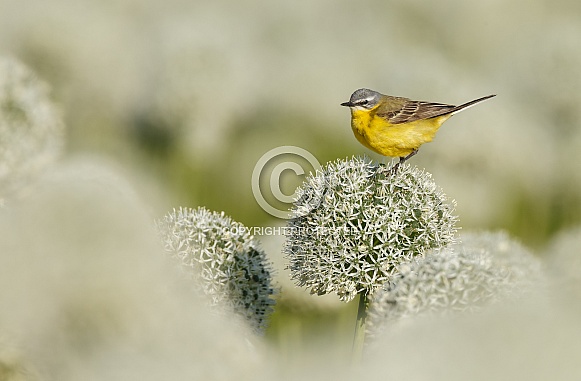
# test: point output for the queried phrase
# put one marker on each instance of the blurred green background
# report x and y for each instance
(188, 95)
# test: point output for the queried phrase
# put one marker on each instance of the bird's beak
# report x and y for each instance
(347, 104)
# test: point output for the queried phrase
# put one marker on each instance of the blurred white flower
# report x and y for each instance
(86, 292)
(31, 130)
(485, 268)
(563, 257)
(524, 340)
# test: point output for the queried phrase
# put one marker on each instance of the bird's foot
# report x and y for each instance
(393, 170)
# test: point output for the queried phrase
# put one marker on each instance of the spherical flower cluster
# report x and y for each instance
(483, 269)
(31, 130)
(355, 222)
(221, 254)
(563, 256)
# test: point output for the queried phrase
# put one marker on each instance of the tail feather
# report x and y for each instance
(469, 104)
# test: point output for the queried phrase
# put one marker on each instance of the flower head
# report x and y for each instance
(563, 256)
(354, 224)
(221, 254)
(483, 269)
(31, 130)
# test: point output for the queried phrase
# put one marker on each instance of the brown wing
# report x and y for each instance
(402, 110)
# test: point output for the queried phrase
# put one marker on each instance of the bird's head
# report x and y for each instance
(363, 99)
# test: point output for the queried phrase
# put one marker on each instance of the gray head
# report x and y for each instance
(363, 98)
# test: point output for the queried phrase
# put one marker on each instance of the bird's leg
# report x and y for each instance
(394, 169)
(402, 159)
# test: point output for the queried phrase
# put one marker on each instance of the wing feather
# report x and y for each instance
(409, 111)
(398, 110)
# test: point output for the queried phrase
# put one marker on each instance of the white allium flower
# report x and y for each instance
(31, 130)
(354, 224)
(87, 292)
(563, 257)
(222, 255)
(483, 269)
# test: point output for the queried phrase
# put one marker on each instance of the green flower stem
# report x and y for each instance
(359, 338)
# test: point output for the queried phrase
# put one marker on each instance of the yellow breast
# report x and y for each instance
(396, 140)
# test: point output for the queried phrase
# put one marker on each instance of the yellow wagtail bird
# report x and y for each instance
(396, 126)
